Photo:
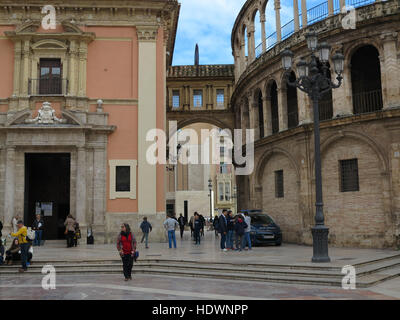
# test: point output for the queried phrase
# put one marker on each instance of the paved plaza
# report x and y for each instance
(174, 286)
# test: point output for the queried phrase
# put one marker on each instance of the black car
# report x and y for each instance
(263, 228)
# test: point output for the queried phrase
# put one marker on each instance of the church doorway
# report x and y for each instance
(47, 191)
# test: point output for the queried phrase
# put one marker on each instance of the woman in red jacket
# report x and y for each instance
(126, 245)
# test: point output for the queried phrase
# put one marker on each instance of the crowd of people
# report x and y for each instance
(23, 239)
(234, 232)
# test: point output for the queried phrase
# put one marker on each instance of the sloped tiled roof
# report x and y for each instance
(212, 71)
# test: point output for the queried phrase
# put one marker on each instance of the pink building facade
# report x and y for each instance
(76, 103)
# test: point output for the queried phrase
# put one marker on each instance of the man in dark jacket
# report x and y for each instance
(215, 225)
(240, 226)
(222, 225)
(38, 227)
(198, 226)
(203, 221)
(146, 229)
(231, 230)
(182, 222)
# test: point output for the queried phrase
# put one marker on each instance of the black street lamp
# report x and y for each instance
(315, 82)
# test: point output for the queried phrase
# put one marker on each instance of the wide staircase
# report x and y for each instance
(367, 274)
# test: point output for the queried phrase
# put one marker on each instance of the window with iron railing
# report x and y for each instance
(279, 191)
(349, 175)
(50, 81)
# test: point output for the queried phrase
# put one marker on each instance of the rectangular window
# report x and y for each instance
(223, 168)
(122, 182)
(220, 98)
(50, 81)
(227, 191)
(221, 191)
(122, 178)
(175, 99)
(349, 175)
(279, 184)
(198, 98)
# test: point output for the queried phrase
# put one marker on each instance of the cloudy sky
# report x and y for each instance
(209, 23)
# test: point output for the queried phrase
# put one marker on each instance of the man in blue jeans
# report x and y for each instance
(222, 225)
(170, 225)
(247, 238)
(23, 243)
(38, 226)
(231, 230)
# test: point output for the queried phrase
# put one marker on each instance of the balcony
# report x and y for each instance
(48, 87)
(367, 101)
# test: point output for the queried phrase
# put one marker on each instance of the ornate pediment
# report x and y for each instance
(46, 115)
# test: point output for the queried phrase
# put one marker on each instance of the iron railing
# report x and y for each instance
(367, 101)
(325, 108)
(314, 14)
(48, 87)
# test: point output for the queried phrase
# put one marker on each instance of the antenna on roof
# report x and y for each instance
(196, 55)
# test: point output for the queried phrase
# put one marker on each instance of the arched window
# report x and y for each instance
(260, 114)
(274, 107)
(291, 98)
(257, 34)
(270, 24)
(366, 80)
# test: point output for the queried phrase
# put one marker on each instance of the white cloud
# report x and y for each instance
(209, 23)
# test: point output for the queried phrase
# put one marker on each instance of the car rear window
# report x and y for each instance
(261, 219)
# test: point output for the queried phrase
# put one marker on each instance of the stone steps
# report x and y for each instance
(367, 273)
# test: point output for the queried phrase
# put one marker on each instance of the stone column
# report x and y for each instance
(82, 69)
(305, 108)
(342, 96)
(9, 193)
(390, 72)
(282, 109)
(277, 6)
(255, 119)
(267, 116)
(330, 8)
(99, 193)
(81, 189)
(251, 43)
(26, 73)
(395, 177)
(263, 36)
(243, 55)
(342, 4)
(147, 110)
(17, 67)
(304, 13)
(73, 68)
(296, 15)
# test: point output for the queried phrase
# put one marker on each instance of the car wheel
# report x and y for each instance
(278, 243)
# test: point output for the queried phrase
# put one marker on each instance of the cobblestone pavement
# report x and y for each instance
(151, 287)
(209, 251)
(155, 287)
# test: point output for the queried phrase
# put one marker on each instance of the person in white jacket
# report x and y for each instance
(170, 224)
